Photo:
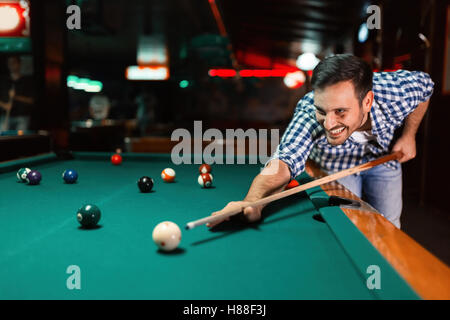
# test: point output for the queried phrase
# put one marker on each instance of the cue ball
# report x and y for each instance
(167, 235)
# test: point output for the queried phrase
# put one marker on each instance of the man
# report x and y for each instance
(99, 107)
(18, 108)
(349, 118)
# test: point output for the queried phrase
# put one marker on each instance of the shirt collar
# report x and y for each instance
(378, 120)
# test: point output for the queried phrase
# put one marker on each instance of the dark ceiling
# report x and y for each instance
(275, 29)
(286, 28)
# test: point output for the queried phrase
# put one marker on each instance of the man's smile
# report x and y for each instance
(336, 132)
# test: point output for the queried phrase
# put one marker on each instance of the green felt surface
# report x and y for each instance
(289, 255)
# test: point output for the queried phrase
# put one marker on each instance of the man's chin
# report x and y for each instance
(336, 142)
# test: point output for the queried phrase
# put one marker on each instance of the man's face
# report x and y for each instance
(14, 64)
(338, 111)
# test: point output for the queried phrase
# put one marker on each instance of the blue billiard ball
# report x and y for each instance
(70, 176)
(34, 177)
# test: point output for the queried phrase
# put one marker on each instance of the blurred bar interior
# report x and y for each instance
(136, 70)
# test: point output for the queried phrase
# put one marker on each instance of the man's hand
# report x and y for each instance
(407, 145)
(407, 142)
(251, 214)
(273, 178)
(12, 94)
(6, 105)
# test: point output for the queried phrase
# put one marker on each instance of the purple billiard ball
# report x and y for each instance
(34, 177)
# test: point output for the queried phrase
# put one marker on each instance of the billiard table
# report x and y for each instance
(303, 248)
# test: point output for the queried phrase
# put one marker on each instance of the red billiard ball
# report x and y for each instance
(205, 180)
(294, 183)
(116, 159)
(204, 168)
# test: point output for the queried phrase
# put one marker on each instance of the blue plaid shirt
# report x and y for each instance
(396, 95)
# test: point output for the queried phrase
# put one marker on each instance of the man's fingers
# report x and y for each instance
(252, 214)
(212, 224)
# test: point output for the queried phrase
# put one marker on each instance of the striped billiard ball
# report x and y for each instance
(168, 175)
(205, 180)
(22, 174)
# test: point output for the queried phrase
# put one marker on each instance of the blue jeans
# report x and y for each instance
(15, 123)
(381, 187)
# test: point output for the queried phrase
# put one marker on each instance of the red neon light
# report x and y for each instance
(245, 73)
(385, 70)
(224, 73)
(21, 27)
(281, 73)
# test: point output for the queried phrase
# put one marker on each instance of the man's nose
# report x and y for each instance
(330, 122)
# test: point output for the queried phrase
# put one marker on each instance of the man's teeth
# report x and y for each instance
(337, 131)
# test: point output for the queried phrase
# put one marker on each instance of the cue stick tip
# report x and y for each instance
(189, 226)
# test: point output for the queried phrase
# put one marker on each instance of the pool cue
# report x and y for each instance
(332, 177)
(6, 121)
(5, 124)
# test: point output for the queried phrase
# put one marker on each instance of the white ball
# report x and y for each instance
(167, 235)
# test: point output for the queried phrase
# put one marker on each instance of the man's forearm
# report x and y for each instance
(24, 99)
(272, 179)
(4, 105)
(413, 120)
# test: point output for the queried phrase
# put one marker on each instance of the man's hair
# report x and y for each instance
(343, 67)
(15, 57)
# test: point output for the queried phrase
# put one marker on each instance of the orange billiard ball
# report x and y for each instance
(168, 175)
(116, 159)
(294, 183)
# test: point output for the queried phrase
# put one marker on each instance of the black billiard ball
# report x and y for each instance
(88, 215)
(145, 184)
(34, 177)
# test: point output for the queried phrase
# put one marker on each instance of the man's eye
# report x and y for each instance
(340, 111)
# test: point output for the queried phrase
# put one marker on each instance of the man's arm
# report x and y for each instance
(20, 98)
(5, 105)
(24, 99)
(407, 141)
(272, 179)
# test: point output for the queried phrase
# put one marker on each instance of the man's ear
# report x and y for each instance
(367, 101)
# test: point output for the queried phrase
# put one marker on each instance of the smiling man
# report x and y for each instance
(348, 119)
